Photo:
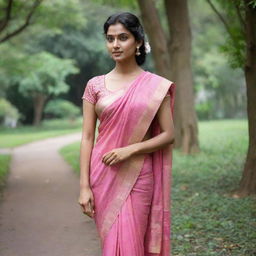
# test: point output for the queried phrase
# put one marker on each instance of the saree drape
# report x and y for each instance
(125, 194)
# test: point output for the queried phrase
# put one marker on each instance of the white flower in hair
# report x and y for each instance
(147, 47)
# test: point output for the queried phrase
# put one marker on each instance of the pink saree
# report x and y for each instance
(132, 198)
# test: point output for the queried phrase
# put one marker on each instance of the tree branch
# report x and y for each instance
(26, 23)
(238, 11)
(221, 17)
(4, 22)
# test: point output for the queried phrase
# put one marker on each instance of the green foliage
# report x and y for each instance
(232, 12)
(86, 46)
(9, 66)
(35, 73)
(71, 155)
(132, 4)
(49, 17)
(220, 90)
(235, 49)
(219, 87)
(72, 30)
(253, 3)
(62, 109)
(4, 169)
(45, 73)
(26, 65)
(204, 110)
(57, 14)
(7, 110)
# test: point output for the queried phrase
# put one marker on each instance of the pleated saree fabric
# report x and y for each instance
(132, 197)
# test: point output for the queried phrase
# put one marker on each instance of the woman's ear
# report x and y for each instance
(140, 43)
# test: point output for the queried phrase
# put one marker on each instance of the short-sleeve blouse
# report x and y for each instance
(90, 92)
(95, 89)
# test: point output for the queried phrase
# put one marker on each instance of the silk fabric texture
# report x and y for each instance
(132, 198)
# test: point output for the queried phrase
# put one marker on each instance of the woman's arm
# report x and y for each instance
(87, 142)
(166, 136)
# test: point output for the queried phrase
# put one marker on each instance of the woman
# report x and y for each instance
(125, 176)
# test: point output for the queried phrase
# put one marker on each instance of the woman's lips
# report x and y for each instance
(117, 53)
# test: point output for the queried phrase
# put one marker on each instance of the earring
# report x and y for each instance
(137, 51)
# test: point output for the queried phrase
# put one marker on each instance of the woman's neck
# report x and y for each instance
(127, 67)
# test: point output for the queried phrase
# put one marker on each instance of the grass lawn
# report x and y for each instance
(4, 169)
(205, 220)
(17, 136)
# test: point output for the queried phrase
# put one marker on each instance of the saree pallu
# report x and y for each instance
(132, 197)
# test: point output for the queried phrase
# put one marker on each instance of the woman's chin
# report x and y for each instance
(119, 59)
(122, 58)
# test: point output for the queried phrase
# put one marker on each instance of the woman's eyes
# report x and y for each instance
(121, 37)
(109, 39)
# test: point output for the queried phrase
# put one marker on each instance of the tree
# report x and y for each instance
(49, 18)
(186, 135)
(17, 16)
(175, 65)
(248, 181)
(8, 8)
(243, 53)
(40, 76)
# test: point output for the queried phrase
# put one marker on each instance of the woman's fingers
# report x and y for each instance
(88, 209)
(110, 159)
(86, 201)
(106, 156)
(87, 212)
(92, 206)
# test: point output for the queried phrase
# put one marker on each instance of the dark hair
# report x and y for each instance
(131, 23)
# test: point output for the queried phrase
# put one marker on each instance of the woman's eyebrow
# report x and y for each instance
(118, 34)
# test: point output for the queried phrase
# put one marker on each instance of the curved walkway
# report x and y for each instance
(39, 210)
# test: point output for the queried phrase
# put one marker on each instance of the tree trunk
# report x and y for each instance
(156, 37)
(39, 101)
(185, 118)
(184, 113)
(248, 181)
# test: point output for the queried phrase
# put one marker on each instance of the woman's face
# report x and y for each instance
(121, 43)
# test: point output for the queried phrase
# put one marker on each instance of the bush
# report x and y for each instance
(60, 108)
(9, 115)
(203, 110)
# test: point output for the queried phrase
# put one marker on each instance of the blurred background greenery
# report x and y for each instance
(64, 46)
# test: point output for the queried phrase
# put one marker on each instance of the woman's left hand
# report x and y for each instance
(117, 155)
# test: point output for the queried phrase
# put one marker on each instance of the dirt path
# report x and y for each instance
(39, 211)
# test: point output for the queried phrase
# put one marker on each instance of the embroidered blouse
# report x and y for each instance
(96, 90)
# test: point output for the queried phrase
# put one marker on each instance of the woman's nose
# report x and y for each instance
(115, 44)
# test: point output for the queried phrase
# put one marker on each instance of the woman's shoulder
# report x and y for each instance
(165, 80)
(92, 89)
(95, 79)
(95, 82)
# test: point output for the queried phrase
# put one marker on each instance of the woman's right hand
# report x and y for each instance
(86, 200)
